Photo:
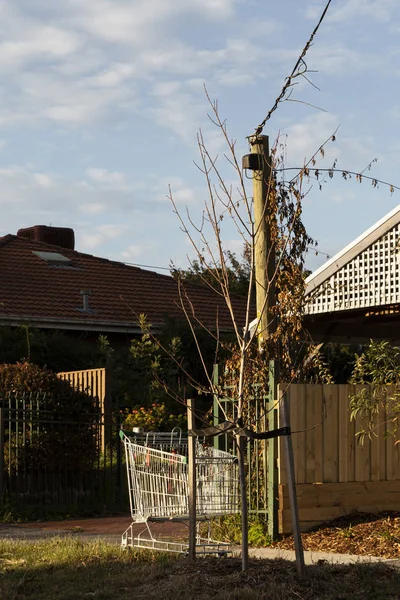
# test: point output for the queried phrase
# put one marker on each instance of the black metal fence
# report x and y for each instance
(53, 460)
(261, 415)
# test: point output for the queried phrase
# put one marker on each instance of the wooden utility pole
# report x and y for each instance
(191, 479)
(264, 250)
(264, 262)
(265, 275)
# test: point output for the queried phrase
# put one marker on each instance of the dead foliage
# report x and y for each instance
(358, 533)
(69, 569)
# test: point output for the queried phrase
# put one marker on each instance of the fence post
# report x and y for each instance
(119, 459)
(272, 453)
(216, 411)
(192, 479)
(1, 451)
(106, 407)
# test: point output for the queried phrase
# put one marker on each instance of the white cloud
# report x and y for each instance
(93, 208)
(181, 193)
(305, 137)
(134, 251)
(395, 111)
(177, 107)
(339, 58)
(43, 180)
(26, 39)
(103, 60)
(235, 246)
(114, 178)
(235, 77)
(108, 196)
(84, 62)
(358, 151)
(346, 10)
(343, 196)
(101, 235)
(114, 75)
(139, 23)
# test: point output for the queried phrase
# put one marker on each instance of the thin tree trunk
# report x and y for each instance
(241, 444)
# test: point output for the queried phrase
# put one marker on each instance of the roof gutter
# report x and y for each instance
(81, 325)
(78, 325)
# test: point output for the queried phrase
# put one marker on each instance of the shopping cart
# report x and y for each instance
(157, 470)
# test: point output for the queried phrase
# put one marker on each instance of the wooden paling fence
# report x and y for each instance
(335, 474)
(95, 383)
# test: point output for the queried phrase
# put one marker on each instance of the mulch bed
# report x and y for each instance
(357, 533)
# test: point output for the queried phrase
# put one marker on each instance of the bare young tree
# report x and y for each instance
(288, 242)
(230, 206)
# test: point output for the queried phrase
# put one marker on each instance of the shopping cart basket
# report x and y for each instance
(158, 489)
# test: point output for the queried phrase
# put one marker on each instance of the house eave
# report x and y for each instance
(72, 325)
(347, 254)
(82, 325)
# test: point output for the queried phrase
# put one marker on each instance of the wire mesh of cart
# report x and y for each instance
(157, 470)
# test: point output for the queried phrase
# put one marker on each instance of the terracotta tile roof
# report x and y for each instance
(33, 291)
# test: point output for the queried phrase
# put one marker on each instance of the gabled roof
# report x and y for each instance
(364, 274)
(48, 293)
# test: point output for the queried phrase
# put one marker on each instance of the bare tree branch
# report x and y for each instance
(295, 73)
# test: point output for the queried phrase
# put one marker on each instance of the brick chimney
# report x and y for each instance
(63, 237)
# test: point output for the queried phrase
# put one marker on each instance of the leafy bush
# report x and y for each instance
(57, 350)
(378, 368)
(155, 418)
(49, 424)
(228, 529)
(27, 378)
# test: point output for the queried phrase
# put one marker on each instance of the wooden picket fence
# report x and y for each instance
(335, 474)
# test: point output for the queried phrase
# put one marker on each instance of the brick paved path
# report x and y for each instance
(107, 528)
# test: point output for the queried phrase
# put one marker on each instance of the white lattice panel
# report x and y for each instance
(369, 279)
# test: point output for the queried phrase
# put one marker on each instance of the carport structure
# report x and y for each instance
(355, 296)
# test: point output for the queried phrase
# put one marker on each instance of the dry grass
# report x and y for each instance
(359, 533)
(69, 569)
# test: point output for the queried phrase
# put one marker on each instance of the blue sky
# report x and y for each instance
(101, 100)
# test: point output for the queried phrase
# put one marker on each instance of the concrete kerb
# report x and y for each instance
(312, 558)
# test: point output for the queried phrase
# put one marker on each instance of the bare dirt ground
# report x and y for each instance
(358, 533)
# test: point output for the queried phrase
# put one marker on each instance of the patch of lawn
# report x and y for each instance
(70, 569)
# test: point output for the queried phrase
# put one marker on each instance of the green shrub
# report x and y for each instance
(49, 424)
(155, 418)
(377, 369)
(228, 529)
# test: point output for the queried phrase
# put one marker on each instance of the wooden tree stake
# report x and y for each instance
(191, 479)
(298, 544)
